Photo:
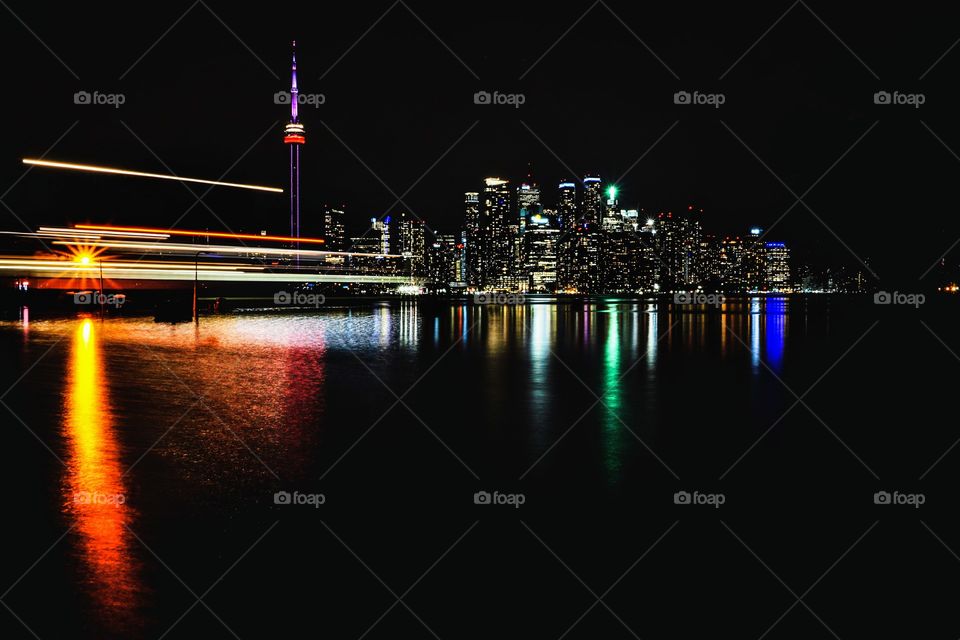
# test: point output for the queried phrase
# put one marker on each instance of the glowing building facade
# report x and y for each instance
(777, 259)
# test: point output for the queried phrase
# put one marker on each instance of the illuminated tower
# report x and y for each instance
(293, 135)
(591, 208)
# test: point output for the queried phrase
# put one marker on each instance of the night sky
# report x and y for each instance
(200, 97)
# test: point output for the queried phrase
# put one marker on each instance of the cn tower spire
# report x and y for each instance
(294, 93)
(294, 137)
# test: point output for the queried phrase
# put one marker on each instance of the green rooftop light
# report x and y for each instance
(612, 191)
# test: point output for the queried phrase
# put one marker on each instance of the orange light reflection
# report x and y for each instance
(94, 495)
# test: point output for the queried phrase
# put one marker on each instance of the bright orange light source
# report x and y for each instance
(212, 234)
(84, 259)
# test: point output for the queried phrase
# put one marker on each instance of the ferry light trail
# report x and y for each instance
(147, 254)
(116, 270)
(190, 249)
(212, 234)
(142, 174)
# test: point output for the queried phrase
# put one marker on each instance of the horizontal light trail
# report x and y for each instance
(94, 266)
(54, 269)
(143, 174)
(85, 233)
(199, 234)
(173, 247)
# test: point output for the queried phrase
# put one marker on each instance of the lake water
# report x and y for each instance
(143, 464)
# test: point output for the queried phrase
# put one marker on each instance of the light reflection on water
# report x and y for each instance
(612, 393)
(94, 491)
(266, 377)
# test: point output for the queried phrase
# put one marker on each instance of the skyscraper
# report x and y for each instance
(380, 230)
(294, 137)
(586, 255)
(613, 219)
(528, 208)
(567, 222)
(754, 261)
(730, 265)
(413, 243)
(472, 239)
(445, 262)
(678, 243)
(591, 209)
(496, 242)
(777, 259)
(528, 202)
(540, 254)
(567, 205)
(333, 227)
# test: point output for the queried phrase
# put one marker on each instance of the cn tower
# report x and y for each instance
(293, 135)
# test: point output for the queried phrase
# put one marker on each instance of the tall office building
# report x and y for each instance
(472, 239)
(754, 261)
(540, 251)
(710, 262)
(587, 244)
(670, 247)
(613, 218)
(412, 243)
(730, 265)
(777, 258)
(647, 261)
(567, 205)
(496, 242)
(333, 230)
(380, 231)
(444, 262)
(528, 202)
(679, 237)
(629, 256)
(591, 208)
(567, 218)
(528, 205)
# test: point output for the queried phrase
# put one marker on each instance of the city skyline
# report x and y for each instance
(510, 240)
(386, 121)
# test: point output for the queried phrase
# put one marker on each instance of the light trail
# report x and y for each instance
(153, 271)
(143, 174)
(83, 233)
(174, 247)
(200, 234)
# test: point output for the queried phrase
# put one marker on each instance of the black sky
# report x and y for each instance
(201, 96)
